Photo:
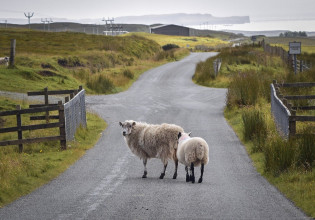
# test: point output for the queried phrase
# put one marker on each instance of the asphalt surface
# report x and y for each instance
(106, 183)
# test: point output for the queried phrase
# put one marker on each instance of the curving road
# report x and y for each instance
(106, 183)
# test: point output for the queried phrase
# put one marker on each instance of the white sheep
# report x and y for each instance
(4, 60)
(152, 141)
(192, 152)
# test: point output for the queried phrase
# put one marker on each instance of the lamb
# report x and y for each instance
(152, 141)
(192, 152)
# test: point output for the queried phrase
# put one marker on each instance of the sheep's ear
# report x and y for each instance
(133, 123)
(189, 134)
(179, 134)
(121, 124)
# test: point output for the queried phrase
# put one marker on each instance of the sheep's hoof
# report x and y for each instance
(200, 180)
(144, 174)
(162, 175)
(192, 179)
(187, 178)
(174, 176)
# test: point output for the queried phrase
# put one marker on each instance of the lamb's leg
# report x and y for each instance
(192, 177)
(163, 174)
(145, 168)
(187, 175)
(176, 166)
(201, 170)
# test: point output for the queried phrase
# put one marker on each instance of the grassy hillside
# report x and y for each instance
(102, 64)
(247, 72)
(186, 42)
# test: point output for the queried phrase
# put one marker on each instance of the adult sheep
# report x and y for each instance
(192, 152)
(152, 141)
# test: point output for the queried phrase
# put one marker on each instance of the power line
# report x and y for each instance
(29, 15)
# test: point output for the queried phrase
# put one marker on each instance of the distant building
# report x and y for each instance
(114, 33)
(170, 29)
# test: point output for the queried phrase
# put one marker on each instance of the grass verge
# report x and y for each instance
(39, 163)
(295, 183)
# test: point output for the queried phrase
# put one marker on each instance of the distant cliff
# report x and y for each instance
(182, 19)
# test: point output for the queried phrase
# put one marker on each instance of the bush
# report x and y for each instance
(306, 156)
(128, 73)
(279, 155)
(100, 83)
(244, 89)
(255, 128)
(70, 61)
(169, 46)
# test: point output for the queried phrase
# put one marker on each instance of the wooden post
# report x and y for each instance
(12, 53)
(46, 104)
(19, 124)
(71, 95)
(301, 66)
(66, 99)
(292, 124)
(62, 129)
(80, 88)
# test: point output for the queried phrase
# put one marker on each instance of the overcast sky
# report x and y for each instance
(85, 9)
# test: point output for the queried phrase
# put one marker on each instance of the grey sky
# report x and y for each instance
(84, 9)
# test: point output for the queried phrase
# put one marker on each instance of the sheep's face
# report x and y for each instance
(127, 127)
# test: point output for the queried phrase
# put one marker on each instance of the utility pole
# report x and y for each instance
(44, 22)
(29, 15)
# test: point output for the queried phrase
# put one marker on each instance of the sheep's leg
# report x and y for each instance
(187, 175)
(145, 168)
(201, 175)
(192, 177)
(176, 166)
(163, 174)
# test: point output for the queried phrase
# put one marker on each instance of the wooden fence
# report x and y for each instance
(45, 108)
(20, 128)
(293, 118)
(286, 57)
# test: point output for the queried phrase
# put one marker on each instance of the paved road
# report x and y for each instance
(106, 183)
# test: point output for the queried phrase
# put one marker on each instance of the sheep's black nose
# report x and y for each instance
(124, 133)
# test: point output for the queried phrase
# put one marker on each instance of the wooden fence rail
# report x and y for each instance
(293, 118)
(45, 108)
(19, 128)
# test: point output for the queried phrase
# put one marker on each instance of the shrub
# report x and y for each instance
(128, 73)
(100, 83)
(70, 61)
(306, 156)
(244, 89)
(169, 46)
(279, 155)
(255, 127)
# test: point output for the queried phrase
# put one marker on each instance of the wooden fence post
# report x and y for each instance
(292, 123)
(46, 103)
(62, 129)
(12, 53)
(19, 124)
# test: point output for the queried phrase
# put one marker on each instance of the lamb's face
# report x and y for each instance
(127, 127)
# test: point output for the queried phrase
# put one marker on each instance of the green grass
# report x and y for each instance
(40, 163)
(66, 60)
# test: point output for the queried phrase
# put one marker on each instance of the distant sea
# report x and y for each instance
(292, 25)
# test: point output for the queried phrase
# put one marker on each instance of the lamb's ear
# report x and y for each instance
(189, 134)
(121, 124)
(179, 134)
(133, 123)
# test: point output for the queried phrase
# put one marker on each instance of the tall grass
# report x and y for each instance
(255, 128)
